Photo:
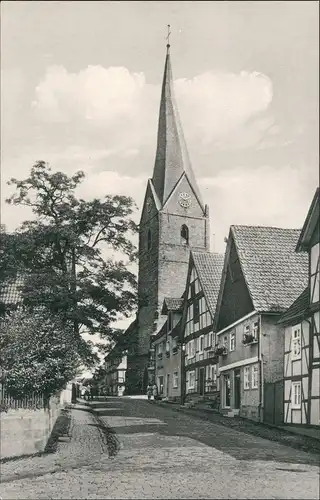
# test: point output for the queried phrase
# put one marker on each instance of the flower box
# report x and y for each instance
(220, 350)
(249, 339)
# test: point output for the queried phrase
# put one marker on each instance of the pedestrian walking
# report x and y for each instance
(155, 391)
(149, 392)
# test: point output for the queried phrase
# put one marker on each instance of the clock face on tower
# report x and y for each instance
(185, 200)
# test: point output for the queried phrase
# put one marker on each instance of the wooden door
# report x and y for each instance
(201, 381)
(237, 390)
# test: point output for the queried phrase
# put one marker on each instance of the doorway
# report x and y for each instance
(168, 385)
(237, 390)
(201, 381)
(227, 390)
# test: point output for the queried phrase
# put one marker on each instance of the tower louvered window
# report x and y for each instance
(184, 235)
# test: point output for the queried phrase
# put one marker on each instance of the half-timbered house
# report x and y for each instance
(262, 275)
(200, 362)
(167, 358)
(302, 340)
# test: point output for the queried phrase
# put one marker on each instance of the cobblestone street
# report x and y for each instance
(137, 449)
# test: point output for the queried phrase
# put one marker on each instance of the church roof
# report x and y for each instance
(172, 159)
(209, 269)
(274, 273)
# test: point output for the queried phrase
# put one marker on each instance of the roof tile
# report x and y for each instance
(274, 272)
(209, 268)
(297, 309)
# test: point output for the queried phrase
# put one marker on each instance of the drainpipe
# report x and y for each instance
(261, 381)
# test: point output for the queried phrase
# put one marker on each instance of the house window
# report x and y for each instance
(314, 273)
(232, 341)
(160, 384)
(210, 339)
(175, 380)
(149, 242)
(255, 330)
(212, 373)
(201, 343)
(192, 380)
(184, 235)
(296, 342)
(191, 349)
(225, 341)
(254, 379)
(247, 330)
(246, 379)
(296, 395)
(167, 346)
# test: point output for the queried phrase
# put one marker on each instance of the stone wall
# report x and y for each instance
(24, 431)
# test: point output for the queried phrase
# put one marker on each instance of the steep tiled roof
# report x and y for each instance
(275, 274)
(171, 304)
(297, 309)
(209, 268)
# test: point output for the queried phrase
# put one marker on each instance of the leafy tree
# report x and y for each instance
(60, 252)
(38, 353)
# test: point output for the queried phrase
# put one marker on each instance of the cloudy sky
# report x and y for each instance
(80, 88)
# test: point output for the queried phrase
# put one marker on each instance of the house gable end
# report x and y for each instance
(234, 298)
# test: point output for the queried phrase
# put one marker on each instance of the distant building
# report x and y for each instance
(262, 276)
(302, 333)
(115, 366)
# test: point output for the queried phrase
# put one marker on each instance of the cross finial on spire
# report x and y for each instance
(168, 36)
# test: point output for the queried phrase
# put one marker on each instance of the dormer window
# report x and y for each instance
(149, 243)
(184, 235)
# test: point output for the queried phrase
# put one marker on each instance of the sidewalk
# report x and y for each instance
(85, 434)
(305, 439)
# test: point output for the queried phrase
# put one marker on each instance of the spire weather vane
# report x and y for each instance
(168, 36)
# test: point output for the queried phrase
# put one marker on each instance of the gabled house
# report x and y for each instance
(200, 360)
(262, 276)
(167, 351)
(115, 365)
(302, 337)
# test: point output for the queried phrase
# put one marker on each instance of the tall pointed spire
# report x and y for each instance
(172, 159)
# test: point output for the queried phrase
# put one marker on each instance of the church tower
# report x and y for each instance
(174, 220)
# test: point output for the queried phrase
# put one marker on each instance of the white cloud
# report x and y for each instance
(214, 106)
(265, 196)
